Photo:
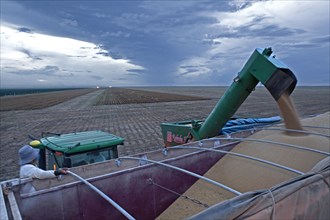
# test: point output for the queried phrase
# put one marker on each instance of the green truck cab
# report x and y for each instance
(76, 149)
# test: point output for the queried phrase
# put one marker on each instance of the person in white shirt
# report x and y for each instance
(28, 160)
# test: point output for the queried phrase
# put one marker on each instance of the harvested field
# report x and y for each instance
(139, 123)
(41, 100)
(117, 96)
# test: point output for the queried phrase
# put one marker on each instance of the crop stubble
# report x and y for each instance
(40, 100)
(117, 96)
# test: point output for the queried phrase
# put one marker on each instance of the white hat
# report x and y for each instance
(27, 154)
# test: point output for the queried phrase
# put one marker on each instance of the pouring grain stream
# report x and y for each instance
(289, 114)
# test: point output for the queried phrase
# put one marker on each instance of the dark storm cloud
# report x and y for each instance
(164, 36)
(24, 29)
(144, 33)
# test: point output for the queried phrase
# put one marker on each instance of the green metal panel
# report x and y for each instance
(180, 132)
(81, 141)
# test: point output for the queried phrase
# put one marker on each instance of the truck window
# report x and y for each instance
(82, 158)
(56, 159)
(93, 157)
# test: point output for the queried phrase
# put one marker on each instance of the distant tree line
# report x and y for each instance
(7, 92)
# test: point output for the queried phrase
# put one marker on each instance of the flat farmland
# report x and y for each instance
(40, 100)
(117, 96)
(136, 117)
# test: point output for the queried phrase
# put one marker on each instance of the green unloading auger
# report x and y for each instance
(262, 67)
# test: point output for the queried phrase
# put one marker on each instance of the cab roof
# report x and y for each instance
(81, 141)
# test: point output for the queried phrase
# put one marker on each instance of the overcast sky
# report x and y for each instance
(153, 43)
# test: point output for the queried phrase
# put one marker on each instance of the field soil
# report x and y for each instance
(137, 121)
(40, 100)
(117, 96)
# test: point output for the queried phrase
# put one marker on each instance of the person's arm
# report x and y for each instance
(32, 171)
(38, 173)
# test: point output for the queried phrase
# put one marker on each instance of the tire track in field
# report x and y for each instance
(78, 103)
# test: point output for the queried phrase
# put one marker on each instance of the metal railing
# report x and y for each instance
(185, 171)
(118, 207)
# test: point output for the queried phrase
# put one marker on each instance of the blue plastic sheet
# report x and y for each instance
(239, 124)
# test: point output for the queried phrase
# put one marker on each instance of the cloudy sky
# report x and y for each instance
(154, 43)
